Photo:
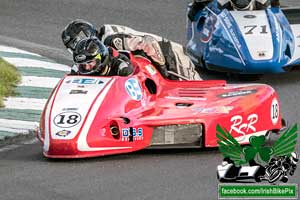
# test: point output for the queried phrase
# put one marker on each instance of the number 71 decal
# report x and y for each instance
(251, 28)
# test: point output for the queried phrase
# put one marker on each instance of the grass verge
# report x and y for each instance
(9, 78)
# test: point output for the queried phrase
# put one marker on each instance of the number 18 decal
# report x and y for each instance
(67, 119)
(274, 111)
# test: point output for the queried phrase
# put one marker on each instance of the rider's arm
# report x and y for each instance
(121, 66)
(195, 6)
(74, 70)
(147, 44)
(225, 4)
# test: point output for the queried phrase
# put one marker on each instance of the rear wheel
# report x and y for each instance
(273, 135)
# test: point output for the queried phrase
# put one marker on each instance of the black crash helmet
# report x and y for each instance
(242, 4)
(75, 31)
(90, 50)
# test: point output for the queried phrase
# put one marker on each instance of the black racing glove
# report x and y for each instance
(162, 69)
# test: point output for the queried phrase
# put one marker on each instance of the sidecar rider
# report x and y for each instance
(158, 50)
(247, 4)
(197, 5)
(92, 57)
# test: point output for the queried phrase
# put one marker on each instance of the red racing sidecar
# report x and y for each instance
(88, 116)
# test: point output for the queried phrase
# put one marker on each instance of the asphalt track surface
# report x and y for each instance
(35, 25)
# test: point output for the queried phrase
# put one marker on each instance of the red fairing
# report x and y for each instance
(94, 116)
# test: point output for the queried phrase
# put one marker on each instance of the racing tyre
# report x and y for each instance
(284, 179)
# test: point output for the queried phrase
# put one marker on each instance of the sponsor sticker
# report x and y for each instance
(133, 89)
(85, 81)
(137, 134)
(78, 92)
(243, 126)
(237, 93)
(229, 26)
(70, 109)
(63, 133)
(186, 98)
(67, 119)
(219, 109)
(249, 16)
(152, 71)
(261, 53)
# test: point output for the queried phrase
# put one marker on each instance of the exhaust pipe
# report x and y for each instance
(114, 130)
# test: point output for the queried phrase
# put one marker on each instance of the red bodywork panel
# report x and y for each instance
(74, 124)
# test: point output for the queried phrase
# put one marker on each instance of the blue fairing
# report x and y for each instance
(215, 41)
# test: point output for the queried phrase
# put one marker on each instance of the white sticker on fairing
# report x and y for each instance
(275, 111)
(69, 111)
(84, 81)
(133, 89)
(255, 28)
(152, 71)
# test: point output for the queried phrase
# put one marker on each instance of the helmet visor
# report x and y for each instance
(73, 42)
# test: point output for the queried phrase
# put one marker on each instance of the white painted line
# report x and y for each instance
(24, 103)
(17, 124)
(15, 146)
(26, 62)
(13, 130)
(15, 50)
(32, 141)
(35, 81)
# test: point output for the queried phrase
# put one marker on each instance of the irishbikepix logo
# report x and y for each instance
(257, 161)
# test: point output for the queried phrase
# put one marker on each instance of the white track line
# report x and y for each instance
(9, 147)
(24, 103)
(13, 130)
(32, 141)
(34, 81)
(15, 50)
(17, 124)
(21, 62)
(15, 146)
